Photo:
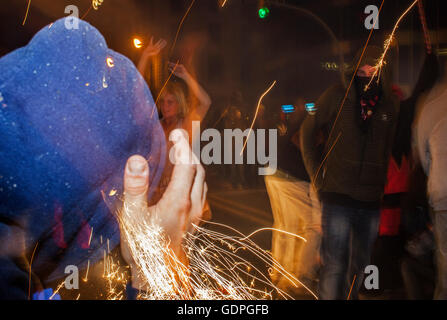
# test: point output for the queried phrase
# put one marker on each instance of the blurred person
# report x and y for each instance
(233, 119)
(389, 245)
(430, 134)
(294, 205)
(351, 179)
(70, 121)
(179, 113)
(417, 263)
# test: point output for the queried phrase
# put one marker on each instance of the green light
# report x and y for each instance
(263, 12)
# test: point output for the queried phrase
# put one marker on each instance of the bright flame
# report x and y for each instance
(137, 43)
(110, 62)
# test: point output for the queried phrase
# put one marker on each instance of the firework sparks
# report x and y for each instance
(96, 4)
(214, 272)
(381, 62)
(256, 113)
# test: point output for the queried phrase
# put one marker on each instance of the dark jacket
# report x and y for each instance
(357, 160)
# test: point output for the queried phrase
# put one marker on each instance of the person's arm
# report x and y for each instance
(150, 51)
(197, 90)
(326, 105)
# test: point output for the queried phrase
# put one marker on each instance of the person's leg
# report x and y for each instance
(336, 227)
(416, 275)
(440, 231)
(272, 187)
(308, 259)
(365, 230)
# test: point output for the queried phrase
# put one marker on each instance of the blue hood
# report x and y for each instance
(71, 113)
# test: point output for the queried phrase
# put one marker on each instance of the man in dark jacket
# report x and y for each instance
(350, 180)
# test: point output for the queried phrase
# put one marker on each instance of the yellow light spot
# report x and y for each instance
(87, 84)
(96, 4)
(137, 43)
(110, 62)
(112, 193)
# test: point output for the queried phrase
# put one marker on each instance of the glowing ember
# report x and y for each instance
(137, 43)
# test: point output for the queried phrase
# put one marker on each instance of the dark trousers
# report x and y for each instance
(347, 242)
(440, 231)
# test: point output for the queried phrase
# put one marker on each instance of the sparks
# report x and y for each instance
(381, 62)
(256, 114)
(96, 4)
(213, 272)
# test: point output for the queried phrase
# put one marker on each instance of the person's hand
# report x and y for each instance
(179, 70)
(180, 207)
(154, 49)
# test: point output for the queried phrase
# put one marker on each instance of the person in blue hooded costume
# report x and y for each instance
(72, 112)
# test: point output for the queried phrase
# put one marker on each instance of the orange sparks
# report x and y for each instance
(381, 62)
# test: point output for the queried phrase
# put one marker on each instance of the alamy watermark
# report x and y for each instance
(233, 153)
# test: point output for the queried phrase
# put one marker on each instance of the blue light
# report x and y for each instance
(288, 108)
(311, 108)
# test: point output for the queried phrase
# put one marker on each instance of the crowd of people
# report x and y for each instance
(361, 177)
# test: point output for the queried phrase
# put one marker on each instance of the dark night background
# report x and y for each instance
(232, 48)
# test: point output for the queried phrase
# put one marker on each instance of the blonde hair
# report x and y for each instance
(179, 94)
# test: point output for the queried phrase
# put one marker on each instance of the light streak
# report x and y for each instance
(137, 43)
(181, 24)
(86, 273)
(30, 268)
(256, 114)
(223, 3)
(90, 238)
(277, 230)
(27, 10)
(59, 287)
(164, 85)
(352, 285)
(346, 96)
(381, 62)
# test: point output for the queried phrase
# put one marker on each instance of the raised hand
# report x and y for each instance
(154, 49)
(179, 70)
